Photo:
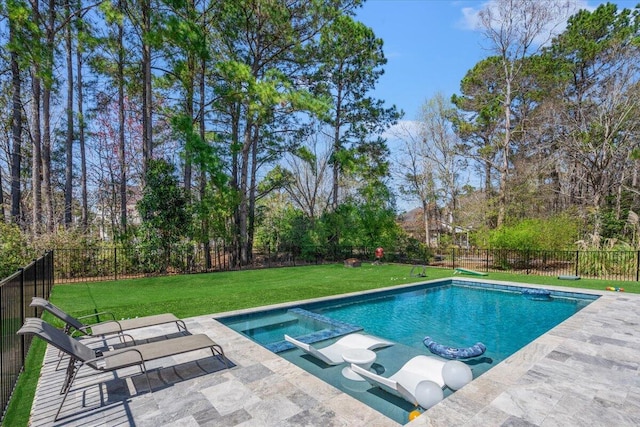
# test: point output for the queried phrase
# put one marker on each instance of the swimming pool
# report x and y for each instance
(454, 312)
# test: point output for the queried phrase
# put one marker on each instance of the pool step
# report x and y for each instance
(334, 329)
(279, 319)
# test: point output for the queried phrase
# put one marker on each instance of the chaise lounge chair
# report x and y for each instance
(107, 361)
(108, 327)
(404, 382)
(332, 354)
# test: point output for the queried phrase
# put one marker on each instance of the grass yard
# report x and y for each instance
(199, 294)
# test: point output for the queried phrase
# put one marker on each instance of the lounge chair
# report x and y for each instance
(404, 382)
(332, 354)
(107, 361)
(108, 327)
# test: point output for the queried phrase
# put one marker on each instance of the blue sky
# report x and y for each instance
(427, 45)
(430, 45)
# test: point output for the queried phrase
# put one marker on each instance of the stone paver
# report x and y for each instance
(583, 372)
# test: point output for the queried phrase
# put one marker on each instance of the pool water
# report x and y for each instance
(459, 316)
(268, 328)
(453, 313)
(272, 328)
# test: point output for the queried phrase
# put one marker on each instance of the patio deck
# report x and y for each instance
(585, 371)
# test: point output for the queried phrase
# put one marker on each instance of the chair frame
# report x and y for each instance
(73, 324)
(80, 354)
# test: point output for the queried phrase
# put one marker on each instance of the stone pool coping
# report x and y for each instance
(583, 371)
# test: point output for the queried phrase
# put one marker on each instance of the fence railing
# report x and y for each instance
(82, 265)
(606, 265)
(99, 264)
(16, 292)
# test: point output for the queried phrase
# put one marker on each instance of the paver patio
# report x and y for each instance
(585, 371)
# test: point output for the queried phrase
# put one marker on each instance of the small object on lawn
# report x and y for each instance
(418, 271)
(467, 271)
(569, 277)
(612, 288)
(379, 255)
(352, 262)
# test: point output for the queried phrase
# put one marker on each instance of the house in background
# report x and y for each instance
(441, 230)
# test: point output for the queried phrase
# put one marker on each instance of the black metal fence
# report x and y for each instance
(16, 292)
(82, 265)
(98, 264)
(606, 265)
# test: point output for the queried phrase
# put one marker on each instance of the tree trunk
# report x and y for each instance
(16, 132)
(121, 130)
(243, 208)
(36, 155)
(425, 221)
(36, 137)
(147, 133)
(46, 117)
(2, 216)
(68, 176)
(46, 158)
(252, 192)
(504, 166)
(337, 146)
(235, 179)
(206, 246)
(487, 179)
(81, 141)
(634, 181)
(189, 111)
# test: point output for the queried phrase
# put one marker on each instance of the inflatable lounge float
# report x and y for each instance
(471, 272)
(452, 352)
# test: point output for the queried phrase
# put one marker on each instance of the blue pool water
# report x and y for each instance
(281, 323)
(459, 316)
(454, 313)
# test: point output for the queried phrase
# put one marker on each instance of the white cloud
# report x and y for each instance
(470, 19)
(402, 130)
(470, 16)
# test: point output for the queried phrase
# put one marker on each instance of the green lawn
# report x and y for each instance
(199, 294)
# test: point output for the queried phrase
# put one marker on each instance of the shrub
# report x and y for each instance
(14, 251)
(557, 233)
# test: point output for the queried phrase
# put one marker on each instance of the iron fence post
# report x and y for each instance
(35, 285)
(52, 271)
(43, 275)
(453, 257)
(577, 259)
(637, 266)
(486, 251)
(22, 316)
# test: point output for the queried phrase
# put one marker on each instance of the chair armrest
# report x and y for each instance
(113, 317)
(121, 335)
(92, 339)
(106, 322)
